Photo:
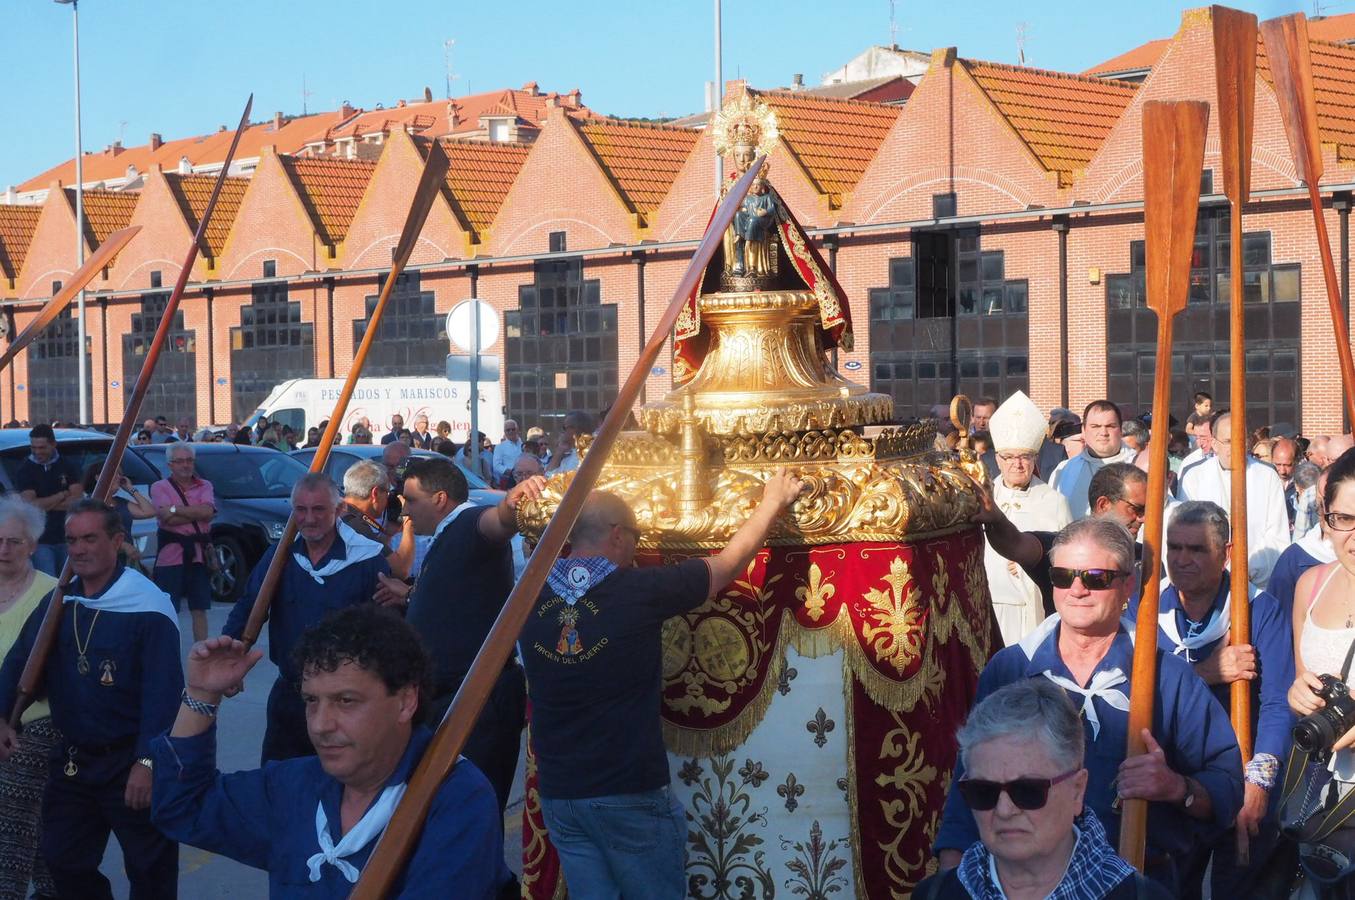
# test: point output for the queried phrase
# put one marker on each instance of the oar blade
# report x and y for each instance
(1235, 77)
(1291, 67)
(1173, 156)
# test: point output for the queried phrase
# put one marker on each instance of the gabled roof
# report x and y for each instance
(1334, 85)
(105, 212)
(428, 118)
(201, 150)
(479, 176)
(1064, 119)
(641, 160)
(833, 139)
(1141, 58)
(192, 193)
(331, 190)
(17, 224)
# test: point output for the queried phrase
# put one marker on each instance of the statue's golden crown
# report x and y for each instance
(745, 121)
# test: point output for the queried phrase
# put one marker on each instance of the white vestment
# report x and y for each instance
(1267, 517)
(1017, 601)
(1073, 477)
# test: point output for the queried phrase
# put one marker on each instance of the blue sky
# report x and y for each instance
(184, 68)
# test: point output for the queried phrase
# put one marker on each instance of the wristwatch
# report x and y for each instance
(147, 762)
(1189, 798)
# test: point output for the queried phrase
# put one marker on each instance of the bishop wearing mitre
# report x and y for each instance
(1018, 430)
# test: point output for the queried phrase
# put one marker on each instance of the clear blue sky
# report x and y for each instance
(183, 68)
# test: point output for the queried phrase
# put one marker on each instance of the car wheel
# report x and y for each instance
(229, 578)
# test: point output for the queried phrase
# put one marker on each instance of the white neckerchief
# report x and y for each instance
(1215, 628)
(356, 549)
(369, 827)
(131, 593)
(451, 516)
(1103, 685)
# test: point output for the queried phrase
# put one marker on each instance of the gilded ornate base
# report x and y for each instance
(889, 487)
(766, 372)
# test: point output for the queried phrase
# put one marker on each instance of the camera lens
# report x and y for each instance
(1313, 734)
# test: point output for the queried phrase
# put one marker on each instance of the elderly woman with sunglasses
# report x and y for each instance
(1192, 772)
(24, 775)
(1022, 750)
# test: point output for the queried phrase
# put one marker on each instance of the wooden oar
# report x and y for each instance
(1235, 72)
(1173, 155)
(430, 182)
(397, 843)
(31, 678)
(1291, 68)
(73, 286)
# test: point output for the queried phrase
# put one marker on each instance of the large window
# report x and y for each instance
(412, 337)
(269, 346)
(949, 319)
(1200, 358)
(560, 348)
(173, 392)
(53, 389)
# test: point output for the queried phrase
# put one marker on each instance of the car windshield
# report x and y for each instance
(243, 476)
(84, 453)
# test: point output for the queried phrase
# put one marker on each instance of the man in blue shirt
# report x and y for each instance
(52, 484)
(330, 566)
(594, 673)
(112, 679)
(1194, 625)
(1192, 772)
(312, 823)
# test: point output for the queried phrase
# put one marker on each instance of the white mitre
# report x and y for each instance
(1017, 424)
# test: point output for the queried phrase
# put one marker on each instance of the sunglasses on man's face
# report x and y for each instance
(1025, 793)
(1092, 579)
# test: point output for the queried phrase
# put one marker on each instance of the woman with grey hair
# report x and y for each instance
(23, 777)
(1021, 750)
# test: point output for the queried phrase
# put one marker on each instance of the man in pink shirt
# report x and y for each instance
(185, 504)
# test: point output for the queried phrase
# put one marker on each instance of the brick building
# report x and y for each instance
(988, 232)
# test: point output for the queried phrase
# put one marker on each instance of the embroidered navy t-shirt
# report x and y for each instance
(594, 675)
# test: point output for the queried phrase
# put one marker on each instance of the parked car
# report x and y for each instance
(84, 447)
(253, 488)
(341, 457)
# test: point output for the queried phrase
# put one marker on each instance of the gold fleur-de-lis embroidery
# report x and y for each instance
(896, 632)
(816, 593)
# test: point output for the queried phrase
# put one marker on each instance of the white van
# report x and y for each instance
(306, 402)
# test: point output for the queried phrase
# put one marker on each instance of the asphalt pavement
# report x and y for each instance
(206, 876)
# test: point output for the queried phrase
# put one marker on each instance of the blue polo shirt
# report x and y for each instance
(300, 601)
(1188, 722)
(265, 818)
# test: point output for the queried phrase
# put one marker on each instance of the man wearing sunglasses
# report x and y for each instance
(1103, 444)
(1118, 492)
(1194, 625)
(1267, 516)
(1022, 751)
(1192, 772)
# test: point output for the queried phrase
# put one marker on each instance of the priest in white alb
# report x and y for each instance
(1267, 519)
(1018, 429)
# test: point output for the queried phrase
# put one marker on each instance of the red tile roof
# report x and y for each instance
(1334, 85)
(331, 190)
(833, 139)
(479, 177)
(192, 193)
(1144, 56)
(105, 212)
(430, 118)
(201, 150)
(1063, 119)
(16, 231)
(641, 160)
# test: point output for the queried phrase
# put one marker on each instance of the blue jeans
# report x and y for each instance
(628, 846)
(50, 558)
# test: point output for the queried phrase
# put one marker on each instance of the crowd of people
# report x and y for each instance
(369, 652)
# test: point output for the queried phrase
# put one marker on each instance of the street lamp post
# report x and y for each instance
(82, 371)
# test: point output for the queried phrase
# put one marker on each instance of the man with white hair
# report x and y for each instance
(1267, 516)
(507, 451)
(1103, 444)
(366, 497)
(1018, 431)
(329, 566)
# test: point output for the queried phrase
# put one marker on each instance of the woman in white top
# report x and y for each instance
(1324, 603)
